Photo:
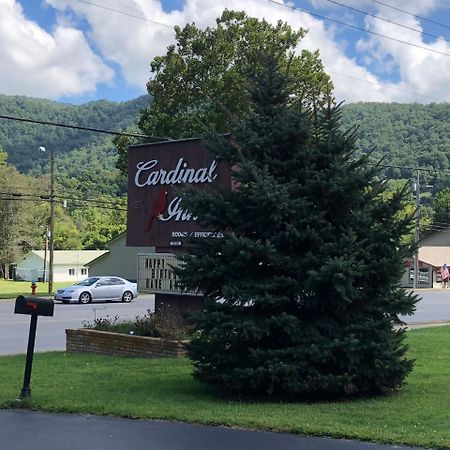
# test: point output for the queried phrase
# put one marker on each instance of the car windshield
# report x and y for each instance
(88, 281)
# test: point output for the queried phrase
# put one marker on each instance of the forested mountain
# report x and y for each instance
(21, 140)
(87, 182)
(412, 135)
(405, 134)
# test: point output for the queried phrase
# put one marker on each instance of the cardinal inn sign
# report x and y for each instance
(156, 215)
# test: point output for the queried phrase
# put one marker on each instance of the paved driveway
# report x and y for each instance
(30, 430)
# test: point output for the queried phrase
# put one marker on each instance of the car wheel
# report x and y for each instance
(85, 298)
(127, 296)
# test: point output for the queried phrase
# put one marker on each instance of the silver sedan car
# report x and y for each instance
(98, 289)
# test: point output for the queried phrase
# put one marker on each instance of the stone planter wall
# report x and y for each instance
(84, 340)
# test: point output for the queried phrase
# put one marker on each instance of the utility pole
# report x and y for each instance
(52, 221)
(416, 236)
(44, 275)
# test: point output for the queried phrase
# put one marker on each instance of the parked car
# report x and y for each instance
(98, 289)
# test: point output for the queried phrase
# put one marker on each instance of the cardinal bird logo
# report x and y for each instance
(158, 209)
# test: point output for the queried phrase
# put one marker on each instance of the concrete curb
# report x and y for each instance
(434, 323)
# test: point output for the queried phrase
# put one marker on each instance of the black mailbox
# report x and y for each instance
(37, 306)
(34, 307)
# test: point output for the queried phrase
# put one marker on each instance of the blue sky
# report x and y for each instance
(79, 50)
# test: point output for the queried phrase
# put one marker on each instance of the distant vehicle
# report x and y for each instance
(98, 289)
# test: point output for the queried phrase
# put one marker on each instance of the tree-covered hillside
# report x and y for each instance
(21, 140)
(407, 135)
(87, 183)
(90, 171)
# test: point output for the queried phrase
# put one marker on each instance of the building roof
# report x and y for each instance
(435, 255)
(78, 257)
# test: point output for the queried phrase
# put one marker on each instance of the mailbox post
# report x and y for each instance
(34, 306)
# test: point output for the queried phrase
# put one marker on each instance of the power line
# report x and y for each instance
(441, 224)
(101, 202)
(438, 224)
(46, 197)
(433, 228)
(78, 127)
(21, 194)
(385, 86)
(358, 28)
(25, 188)
(332, 1)
(2, 197)
(387, 20)
(62, 198)
(64, 192)
(421, 169)
(11, 198)
(81, 203)
(411, 14)
(279, 4)
(38, 199)
(126, 14)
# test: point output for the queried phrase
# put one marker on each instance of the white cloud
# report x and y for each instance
(411, 6)
(62, 63)
(425, 72)
(133, 43)
(129, 42)
(423, 76)
(34, 62)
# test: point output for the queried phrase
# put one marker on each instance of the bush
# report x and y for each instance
(166, 323)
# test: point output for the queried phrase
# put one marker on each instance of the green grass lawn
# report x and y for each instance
(419, 414)
(11, 289)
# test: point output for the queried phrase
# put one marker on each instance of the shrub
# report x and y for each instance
(166, 323)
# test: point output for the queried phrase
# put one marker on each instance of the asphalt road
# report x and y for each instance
(50, 334)
(434, 307)
(25, 430)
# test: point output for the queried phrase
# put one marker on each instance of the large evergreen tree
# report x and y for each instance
(302, 294)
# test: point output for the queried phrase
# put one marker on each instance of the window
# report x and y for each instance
(84, 271)
(88, 281)
(71, 271)
(104, 282)
(116, 281)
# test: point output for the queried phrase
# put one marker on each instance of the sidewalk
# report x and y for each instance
(430, 323)
(25, 430)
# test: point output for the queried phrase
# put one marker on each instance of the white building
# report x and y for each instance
(68, 265)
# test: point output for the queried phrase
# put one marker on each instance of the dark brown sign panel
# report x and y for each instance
(156, 216)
